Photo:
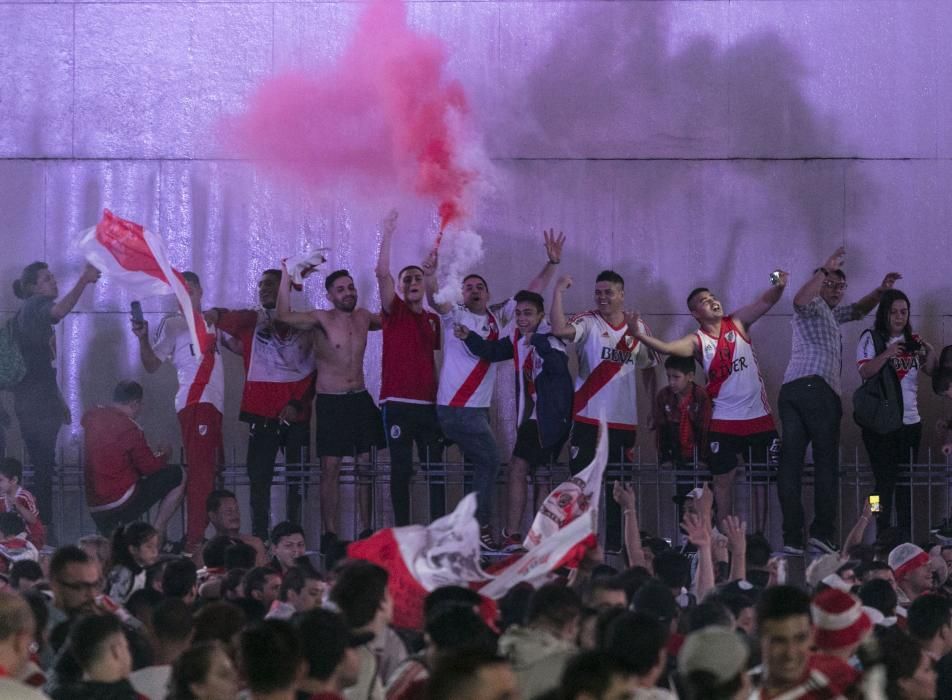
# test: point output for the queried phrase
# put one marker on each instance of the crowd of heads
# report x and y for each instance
(122, 615)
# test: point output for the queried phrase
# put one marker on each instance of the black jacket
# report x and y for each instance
(554, 388)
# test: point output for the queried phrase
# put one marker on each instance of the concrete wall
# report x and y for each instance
(679, 143)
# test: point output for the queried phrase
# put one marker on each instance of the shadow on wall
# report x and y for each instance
(615, 82)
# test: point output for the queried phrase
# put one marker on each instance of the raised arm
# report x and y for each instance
(698, 530)
(683, 347)
(811, 288)
(855, 535)
(384, 278)
(150, 361)
(736, 531)
(298, 319)
(561, 328)
(624, 496)
(553, 251)
(747, 315)
(64, 305)
(429, 280)
(869, 302)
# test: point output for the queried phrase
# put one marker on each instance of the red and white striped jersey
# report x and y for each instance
(466, 380)
(607, 360)
(734, 382)
(201, 378)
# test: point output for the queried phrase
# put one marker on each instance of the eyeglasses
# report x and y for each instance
(81, 586)
(838, 286)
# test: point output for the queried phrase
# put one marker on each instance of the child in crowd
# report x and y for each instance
(682, 414)
(16, 499)
(135, 547)
(14, 545)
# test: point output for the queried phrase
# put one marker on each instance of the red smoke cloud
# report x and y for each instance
(385, 116)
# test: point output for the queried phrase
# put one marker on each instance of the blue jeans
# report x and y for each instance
(469, 428)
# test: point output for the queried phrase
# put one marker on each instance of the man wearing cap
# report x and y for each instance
(840, 627)
(712, 664)
(913, 571)
(786, 636)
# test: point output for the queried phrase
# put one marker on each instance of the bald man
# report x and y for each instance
(17, 634)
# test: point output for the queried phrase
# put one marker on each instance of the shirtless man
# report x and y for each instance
(741, 422)
(348, 421)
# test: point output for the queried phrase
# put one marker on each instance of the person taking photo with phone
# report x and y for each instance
(890, 347)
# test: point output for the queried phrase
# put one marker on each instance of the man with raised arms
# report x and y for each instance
(411, 335)
(809, 403)
(199, 403)
(348, 421)
(608, 354)
(276, 400)
(741, 422)
(466, 381)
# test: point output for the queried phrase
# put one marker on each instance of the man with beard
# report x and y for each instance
(276, 401)
(411, 335)
(348, 421)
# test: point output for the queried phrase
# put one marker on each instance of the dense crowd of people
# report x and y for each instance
(127, 614)
(711, 617)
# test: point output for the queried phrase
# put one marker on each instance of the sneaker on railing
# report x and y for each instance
(486, 540)
(511, 542)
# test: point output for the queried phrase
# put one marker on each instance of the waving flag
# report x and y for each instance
(135, 259)
(571, 499)
(421, 558)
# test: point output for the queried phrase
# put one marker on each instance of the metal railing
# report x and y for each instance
(755, 497)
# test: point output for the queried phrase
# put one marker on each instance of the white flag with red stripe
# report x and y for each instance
(571, 499)
(136, 259)
(422, 558)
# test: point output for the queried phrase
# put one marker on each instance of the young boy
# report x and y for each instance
(16, 499)
(544, 400)
(682, 416)
(14, 546)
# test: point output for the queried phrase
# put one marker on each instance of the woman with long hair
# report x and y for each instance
(891, 346)
(37, 400)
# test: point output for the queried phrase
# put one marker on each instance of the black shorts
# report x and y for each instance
(148, 491)
(407, 424)
(347, 424)
(528, 447)
(584, 442)
(725, 448)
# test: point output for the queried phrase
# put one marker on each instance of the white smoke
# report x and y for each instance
(460, 251)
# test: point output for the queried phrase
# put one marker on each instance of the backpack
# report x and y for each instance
(12, 364)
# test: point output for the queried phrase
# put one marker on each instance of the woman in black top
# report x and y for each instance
(37, 400)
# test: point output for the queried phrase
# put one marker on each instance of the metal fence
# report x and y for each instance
(755, 497)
